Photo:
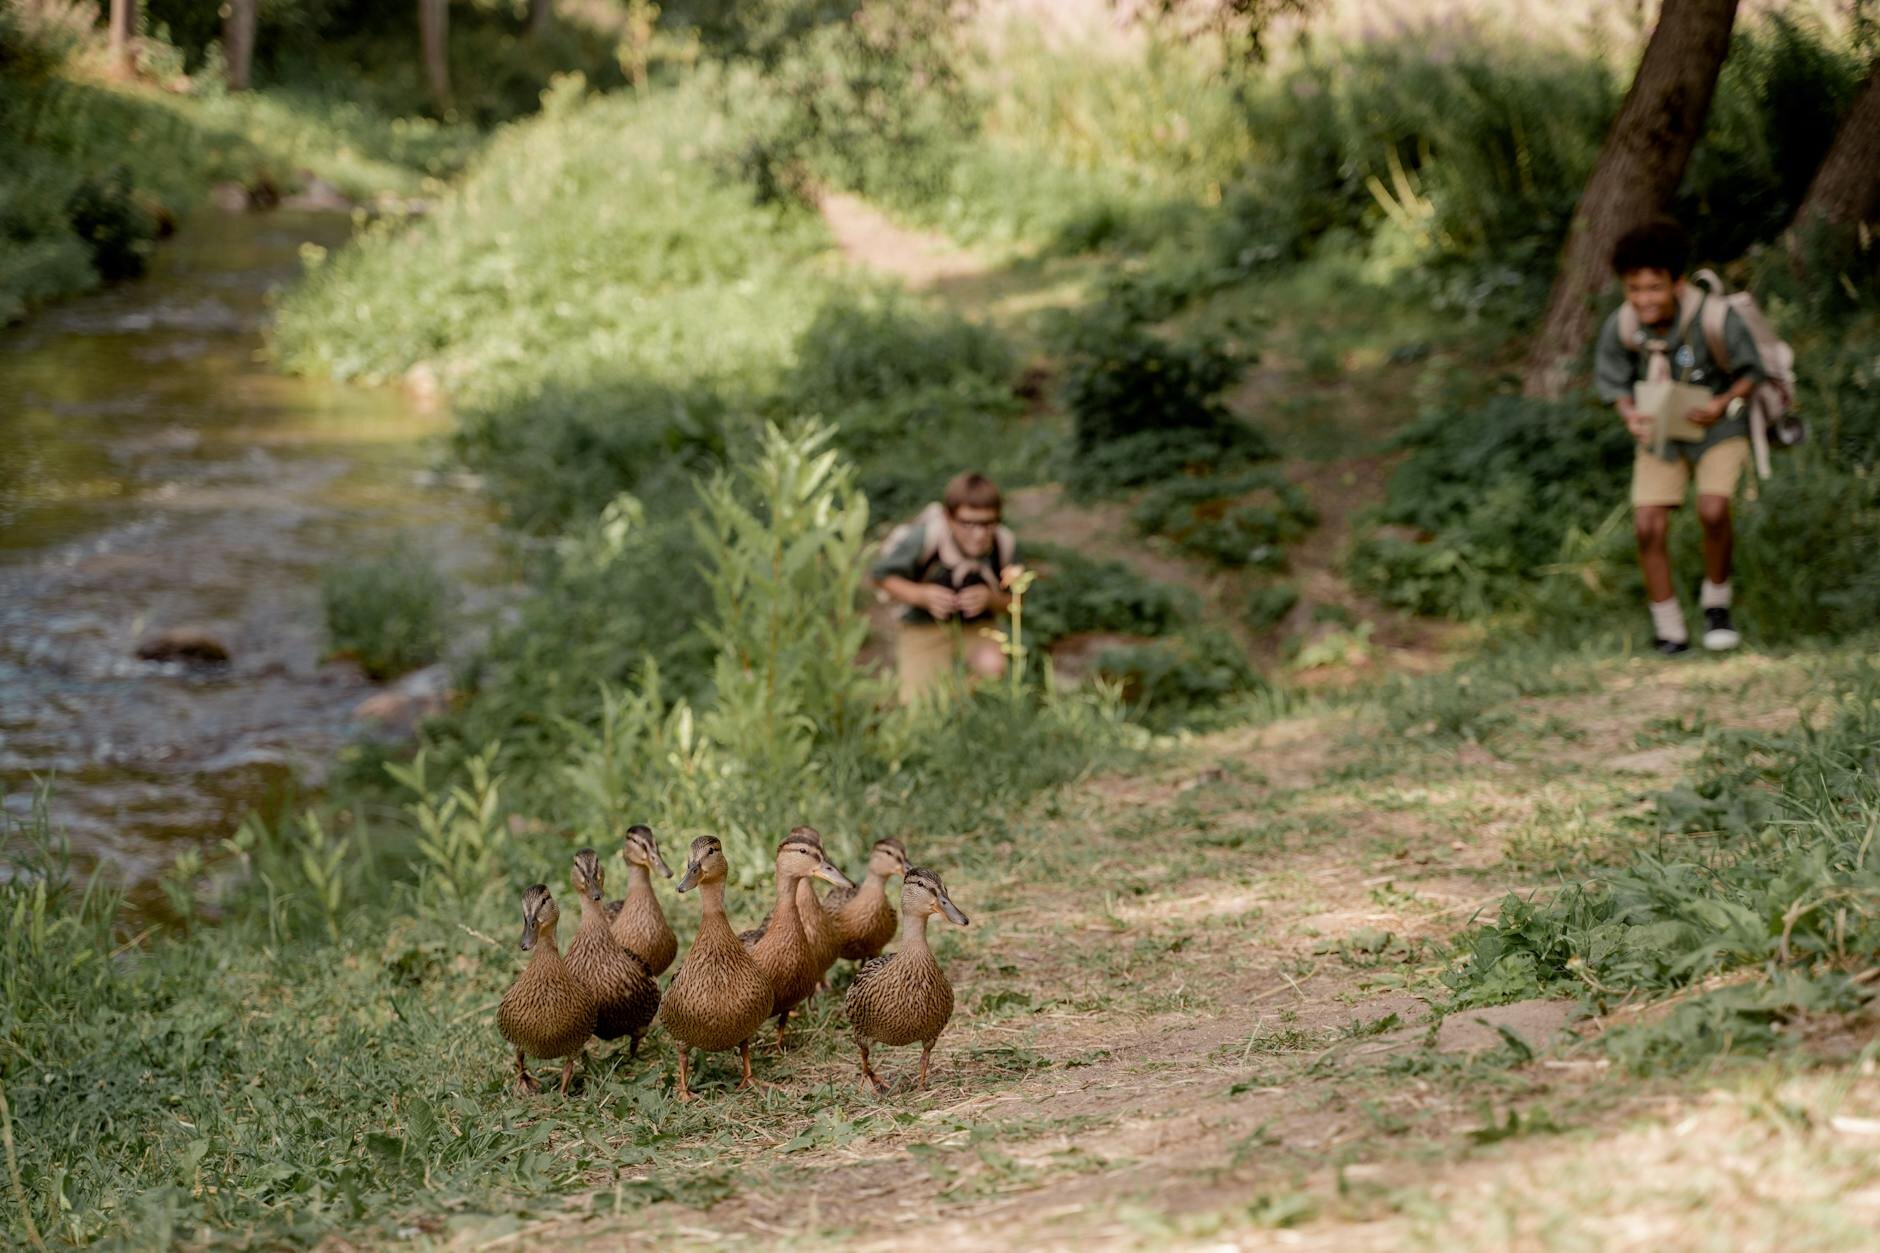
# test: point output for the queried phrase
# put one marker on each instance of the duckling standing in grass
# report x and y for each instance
(639, 923)
(546, 1012)
(783, 950)
(822, 934)
(905, 996)
(721, 996)
(864, 918)
(622, 988)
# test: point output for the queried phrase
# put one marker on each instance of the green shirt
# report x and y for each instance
(1616, 368)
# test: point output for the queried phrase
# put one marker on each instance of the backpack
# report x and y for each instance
(1772, 417)
(932, 522)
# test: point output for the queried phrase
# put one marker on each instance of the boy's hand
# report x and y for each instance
(974, 600)
(939, 601)
(1710, 414)
(1639, 424)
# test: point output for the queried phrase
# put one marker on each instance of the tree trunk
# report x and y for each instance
(1637, 174)
(541, 14)
(1846, 190)
(123, 35)
(433, 35)
(238, 43)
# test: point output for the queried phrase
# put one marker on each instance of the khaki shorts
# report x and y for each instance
(1656, 481)
(926, 654)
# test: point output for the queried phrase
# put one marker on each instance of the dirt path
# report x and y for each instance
(1191, 1009)
(920, 259)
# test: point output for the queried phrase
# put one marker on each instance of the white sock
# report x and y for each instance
(1714, 595)
(1668, 621)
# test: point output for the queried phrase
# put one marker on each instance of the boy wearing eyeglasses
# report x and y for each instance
(943, 570)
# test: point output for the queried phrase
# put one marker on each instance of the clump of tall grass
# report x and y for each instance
(390, 613)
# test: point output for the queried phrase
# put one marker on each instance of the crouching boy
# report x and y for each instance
(1660, 341)
(943, 569)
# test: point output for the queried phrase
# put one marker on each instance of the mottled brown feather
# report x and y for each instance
(624, 993)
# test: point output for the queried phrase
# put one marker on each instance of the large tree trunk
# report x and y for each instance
(541, 14)
(1636, 176)
(434, 37)
(123, 35)
(238, 43)
(1846, 190)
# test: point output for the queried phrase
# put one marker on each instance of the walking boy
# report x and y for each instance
(944, 570)
(1661, 342)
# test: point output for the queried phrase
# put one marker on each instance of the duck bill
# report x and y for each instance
(691, 879)
(593, 890)
(660, 862)
(952, 912)
(828, 873)
(529, 929)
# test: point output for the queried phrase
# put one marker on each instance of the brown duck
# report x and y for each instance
(822, 934)
(783, 950)
(639, 923)
(864, 919)
(546, 1012)
(622, 988)
(905, 996)
(721, 996)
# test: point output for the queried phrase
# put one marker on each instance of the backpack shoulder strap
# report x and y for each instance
(1711, 315)
(1631, 332)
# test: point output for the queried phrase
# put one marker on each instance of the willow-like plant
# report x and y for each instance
(782, 533)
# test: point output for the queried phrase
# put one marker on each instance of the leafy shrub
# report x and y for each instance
(1237, 520)
(875, 103)
(1167, 682)
(388, 613)
(1144, 408)
(1078, 593)
(119, 231)
(874, 349)
(1267, 605)
(916, 394)
(1486, 497)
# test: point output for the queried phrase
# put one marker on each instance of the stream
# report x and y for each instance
(157, 473)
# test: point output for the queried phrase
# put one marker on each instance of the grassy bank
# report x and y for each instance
(100, 166)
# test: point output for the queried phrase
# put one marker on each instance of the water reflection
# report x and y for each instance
(156, 473)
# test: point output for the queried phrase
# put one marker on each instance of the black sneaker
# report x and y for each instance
(1719, 635)
(1671, 648)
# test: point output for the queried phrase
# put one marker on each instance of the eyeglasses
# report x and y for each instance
(966, 525)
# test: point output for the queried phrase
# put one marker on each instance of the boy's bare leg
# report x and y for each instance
(1652, 523)
(1719, 538)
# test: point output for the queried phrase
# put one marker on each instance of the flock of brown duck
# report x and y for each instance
(607, 986)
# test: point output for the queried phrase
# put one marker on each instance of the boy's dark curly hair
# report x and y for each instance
(1660, 244)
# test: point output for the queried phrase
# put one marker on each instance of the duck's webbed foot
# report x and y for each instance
(525, 1080)
(871, 1082)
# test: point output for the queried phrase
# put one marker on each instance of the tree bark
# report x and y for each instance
(238, 43)
(541, 14)
(1846, 189)
(123, 35)
(1637, 175)
(434, 38)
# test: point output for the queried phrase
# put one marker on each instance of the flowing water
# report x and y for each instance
(156, 473)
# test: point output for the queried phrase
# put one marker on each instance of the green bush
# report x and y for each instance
(1144, 408)
(869, 350)
(1076, 593)
(1487, 496)
(1169, 682)
(1267, 605)
(875, 103)
(1243, 519)
(391, 614)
